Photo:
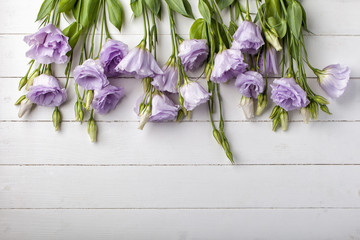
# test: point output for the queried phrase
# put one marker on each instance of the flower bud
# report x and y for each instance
(144, 117)
(76, 109)
(181, 100)
(273, 38)
(247, 105)
(217, 136)
(180, 115)
(284, 119)
(321, 100)
(81, 113)
(22, 83)
(23, 97)
(261, 105)
(147, 84)
(31, 78)
(89, 99)
(25, 106)
(92, 129)
(325, 109)
(305, 112)
(276, 122)
(56, 117)
(230, 157)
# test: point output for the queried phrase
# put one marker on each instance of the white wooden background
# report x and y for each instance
(172, 181)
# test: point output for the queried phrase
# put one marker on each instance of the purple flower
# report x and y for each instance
(250, 84)
(193, 53)
(90, 75)
(194, 95)
(46, 91)
(163, 109)
(334, 79)
(247, 38)
(288, 94)
(112, 52)
(228, 64)
(140, 63)
(167, 81)
(271, 62)
(107, 98)
(48, 45)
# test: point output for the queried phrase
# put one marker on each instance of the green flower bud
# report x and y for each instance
(89, 99)
(180, 115)
(284, 119)
(305, 112)
(25, 106)
(20, 99)
(56, 117)
(273, 38)
(230, 157)
(321, 100)
(147, 84)
(276, 122)
(92, 129)
(261, 105)
(76, 109)
(217, 136)
(274, 112)
(22, 83)
(81, 113)
(325, 109)
(181, 100)
(31, 78)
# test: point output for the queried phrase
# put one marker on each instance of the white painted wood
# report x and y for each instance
(246, 224)
(180, 187)
(185, 143)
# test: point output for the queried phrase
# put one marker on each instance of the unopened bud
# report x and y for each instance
(305, 112)
(89, 99)
(247, 105)
(180, 115)
(261, 105)
(92, 129)
(217, 136)
(181, 101)
(325, 109)
(147, 84)
(25, 107)
(276, 122)
(56, 117)
(273, 38)
(321, 100)
(144, 117)
(230, 157)
(284, 119)
(31, 78)
(23, 97)
(22, 83)
(76, 110)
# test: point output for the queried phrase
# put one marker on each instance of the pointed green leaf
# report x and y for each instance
(181, 6)
(73, 31)
(66, 5)
(224, 3)
(136, 7)
(116, 13)
(154, 6)
(45, 9)
(295, 18)
(205, 11)
(198, 29)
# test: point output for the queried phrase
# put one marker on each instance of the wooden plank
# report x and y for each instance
(19, 17)
(319, 224)
(171, 143)
(180, 187)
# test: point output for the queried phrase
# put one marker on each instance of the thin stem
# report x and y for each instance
(144, 20)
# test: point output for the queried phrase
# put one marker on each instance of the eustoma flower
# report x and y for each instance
(112, 52)
(48, 45)
(90, 75)
(287, 94)
(194, 95)
(140, 63)
(46, 91)
(333, 79)
(107, 98)
(228, 64)
(247, 38)
(271, 62)
(193, 53)
(167, 81)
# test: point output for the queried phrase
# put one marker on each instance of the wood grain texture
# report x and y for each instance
(172, 181)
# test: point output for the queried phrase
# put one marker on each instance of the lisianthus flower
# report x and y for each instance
(48, 45)
(247, 38)
(46, 91)
(334, 79)
(90, 75)
(193, 53)
(140, 63)
(228, 64)
(271, 62)
(112, 52)
(250, 84)
(194, 95)
(107, 98)
(167, 81)
(287, 94)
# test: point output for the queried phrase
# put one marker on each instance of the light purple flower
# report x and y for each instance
(46, 91)
(271, 62)
(167, 81)
(163, 109)
(48, 45)
(228, 64)
(193, 53)
(247, 38)
(250, 84)
(194, 95)
(140, 63)
(334, 79)
(112, 52)
(90, 75)
(287, 94)
(107, 98)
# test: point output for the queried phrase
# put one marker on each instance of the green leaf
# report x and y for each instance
(273, 8)
(136, 7)
(205, 11)
(295, 18)
(73, 31)
(232, 27)
(198, 29)
(238, 10)
(224, 3)
(116, 13)
(279, 24)
(45, 9)
(66, 5)
(88, 11)
(154, 6)
(188, 9)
